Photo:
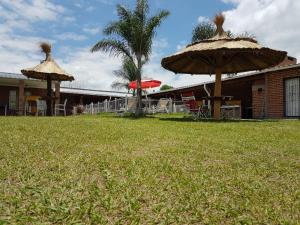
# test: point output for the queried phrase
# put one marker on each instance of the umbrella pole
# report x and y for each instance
(49, 97)
(217, 95)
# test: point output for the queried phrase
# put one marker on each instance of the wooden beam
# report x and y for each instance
(217, 94)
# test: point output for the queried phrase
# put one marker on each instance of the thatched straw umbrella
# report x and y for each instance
(50, 71)
(222, 54)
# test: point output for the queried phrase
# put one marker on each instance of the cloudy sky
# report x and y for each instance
(73, 26)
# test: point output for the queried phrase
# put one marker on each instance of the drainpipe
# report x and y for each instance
(206, 89)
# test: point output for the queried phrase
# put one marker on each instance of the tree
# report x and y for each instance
(131, 37)
(245, 35)
(165, 87)
(206, 30)
(202, 31)
(125, 74)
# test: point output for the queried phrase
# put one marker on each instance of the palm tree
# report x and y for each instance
(206, 30)
(131, 37)
(125, 74)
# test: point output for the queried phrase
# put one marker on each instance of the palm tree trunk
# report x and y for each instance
(138, 111)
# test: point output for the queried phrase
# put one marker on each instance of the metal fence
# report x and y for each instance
(117, 105)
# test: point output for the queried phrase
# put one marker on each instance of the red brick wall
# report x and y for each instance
(258, 99)
(275, 91)
(4, 93)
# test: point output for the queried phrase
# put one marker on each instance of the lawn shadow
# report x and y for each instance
(190, 119)
(183, 118)
(133, 117)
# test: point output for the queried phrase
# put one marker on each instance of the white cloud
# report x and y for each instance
(90, 8)
(106, 2)
(181, 45)
(160, 43)
(18, 52)
(69, 19)
(92, 30)
(34, 10)
(71, 36)
(202, 19)
(21, 14)
(274, 22)
(154, 70)
(91, 70)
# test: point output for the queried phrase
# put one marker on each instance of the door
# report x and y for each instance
(12, 100)
(292, 97)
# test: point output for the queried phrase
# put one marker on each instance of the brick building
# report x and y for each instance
(15, 88)
(271, 93)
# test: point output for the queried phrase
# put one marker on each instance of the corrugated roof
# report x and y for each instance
(13, 76)
(94, 92)
(81, 91)
(239, 76)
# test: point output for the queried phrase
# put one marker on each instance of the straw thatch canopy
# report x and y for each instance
(47, 68)
(222, 54)
(232, 55)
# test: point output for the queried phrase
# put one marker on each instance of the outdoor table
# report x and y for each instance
(29, 104)
(33, 103)
(231, 111)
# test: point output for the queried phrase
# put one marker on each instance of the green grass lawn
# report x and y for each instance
(163, 170)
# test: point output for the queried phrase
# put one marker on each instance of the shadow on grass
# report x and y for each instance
(182, 118)
(131, 116)
(189, 119)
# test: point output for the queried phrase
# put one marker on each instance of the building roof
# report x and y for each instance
(91, 92)
(68, 90)
(239, 76)
(13, 76)
(82, 91)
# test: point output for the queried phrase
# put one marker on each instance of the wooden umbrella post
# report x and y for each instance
(217, 94)
(49, 96)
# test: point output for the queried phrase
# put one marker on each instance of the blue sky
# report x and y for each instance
(73, 26)
(84, 21)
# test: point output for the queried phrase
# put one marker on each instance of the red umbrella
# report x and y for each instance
(145, 84)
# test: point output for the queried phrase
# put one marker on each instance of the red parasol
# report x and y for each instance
(145, 84)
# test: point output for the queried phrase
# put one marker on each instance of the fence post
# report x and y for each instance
(115, 104)
(98, 106)
(105, 105)
(92, 108)
(170, 105)
(174, 107)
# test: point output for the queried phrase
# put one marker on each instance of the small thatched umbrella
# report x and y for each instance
(48, 70)
(222, 54)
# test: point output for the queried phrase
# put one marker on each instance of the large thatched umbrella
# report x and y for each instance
(50, 71)
(222, 54)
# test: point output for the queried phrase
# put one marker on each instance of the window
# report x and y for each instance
(12, 100)
(292, 97)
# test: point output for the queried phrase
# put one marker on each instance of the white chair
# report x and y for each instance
(162, 106)
(129, 107)
(60, 107)
(41, 107)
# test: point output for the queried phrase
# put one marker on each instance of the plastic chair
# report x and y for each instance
(162, 106)
(60, 108)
